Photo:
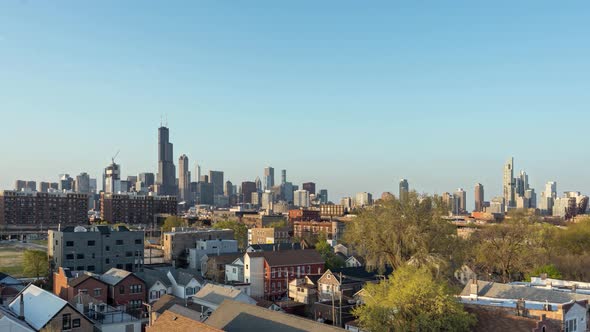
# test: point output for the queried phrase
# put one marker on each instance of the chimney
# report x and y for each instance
(21, 313)
(474, 289)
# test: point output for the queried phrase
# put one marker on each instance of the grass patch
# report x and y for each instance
(39, 242)
(11, 261)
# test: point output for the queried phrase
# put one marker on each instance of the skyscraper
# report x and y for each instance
(404, 189)
(229, 188)
(184, 179)
(166, 181)
(258, 184)
(197, 172)
(460, 198)
(269, 178)
(248, 188)
(310, 187)
(216, 178)
(509, 185)
(301, 198)
(479, 197)
(82, 183)
(112, 178)
(323, 196)
(283, 176)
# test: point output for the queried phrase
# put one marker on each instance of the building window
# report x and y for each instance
(119, 266)
(107, 261)
(91, 243)
(119, 242)
(97, 291)
(80, 256)
(66, 320)
(107, 248)
(137, 241)
(90, 268)
(128, 254)
(70, 256)
(69, 243)
(121, 289)
(76, 323)
(80, 268)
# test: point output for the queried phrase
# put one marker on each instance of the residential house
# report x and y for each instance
(214, 266)
(346, 281)
(234, 272)
(126, 290)
(354, 261)
(211, 296)
(104, 317)
(234, 316)
(569, 309)
(168, 301)
(41, 309)
(304, 290)
(179, 318)
(210, 248)
(273, 247)
(176, 245)
(67, 284)
(183, 283)
(157, 283)
(269, 272)
(9, 288)
(492, 319)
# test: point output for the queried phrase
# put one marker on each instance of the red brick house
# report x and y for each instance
(126, 290)
(68, 284)
(270, 272)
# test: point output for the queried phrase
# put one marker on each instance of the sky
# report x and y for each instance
(351, 95)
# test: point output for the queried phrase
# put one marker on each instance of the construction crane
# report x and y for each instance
(115, 156)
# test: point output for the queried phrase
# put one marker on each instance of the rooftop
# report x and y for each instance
(290, 257)
(40, 306)
(177, 319)
(216, 294)
(114, 276)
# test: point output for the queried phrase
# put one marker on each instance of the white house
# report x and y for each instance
(234, 272)
(158, 284)
(353, 261)
(184, 284)
(211, 296)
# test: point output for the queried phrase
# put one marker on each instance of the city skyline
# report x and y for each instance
(402, 80)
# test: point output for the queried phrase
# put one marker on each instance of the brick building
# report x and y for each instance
(67, 285)
(269, 235)
(43, 209)
(333, 230)
(126, 290)
(176, 245)
(131, 208)
(304, 215)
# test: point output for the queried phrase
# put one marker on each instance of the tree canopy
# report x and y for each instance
(240, 231)
(171, 222)
(36, 263)
(412, 299)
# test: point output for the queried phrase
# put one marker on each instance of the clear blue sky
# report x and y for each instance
(352, 95)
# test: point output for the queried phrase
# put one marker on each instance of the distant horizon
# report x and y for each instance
(351, 96)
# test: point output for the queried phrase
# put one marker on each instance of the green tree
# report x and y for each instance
(36, 263)
(327, 252)
(172, 221)
(240, 231)
(413, 230)
(412, 300)
(278, 224)
(549, 269)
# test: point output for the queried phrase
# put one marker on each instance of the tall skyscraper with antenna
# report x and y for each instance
(166, 179)
(508, 187)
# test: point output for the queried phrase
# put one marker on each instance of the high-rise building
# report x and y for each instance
(197, 172)
(112, 178)
(205, 193)
(531, 197)
(287, 192)
(44, 187)
(284, 176)
(19, 185)
(363, 199)
(184, 179)
(267, 200)
(404, 189)
(347, 203)
(509, 185)
(248, 187)
(460, 197)
(31, 185)
(66, 182)
(82, 183)
(132, 208)
(301, 198)
(229, 189)
(479, 197)
(216, 178)
(43, 209)
(269, 178)
(310, 187)
(323, 196)
(258, 185)
(551, 189)
(166, 181)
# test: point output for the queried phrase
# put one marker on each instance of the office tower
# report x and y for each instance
(248, 187)
(20, 185)
(228, 189)
(449, 200)
(551, 189)
(216, 178)
(66, 182)
(258, 185)
(184, 179)
(479, 197)
(269, 178)
(267, 200)
(497, 205)
(363, 199)
(404, 189)
(148, 179)
(31, 185)
(92, 186)
(205, 193)
(54, 186)
(204, 178)
(531, 196)
(323, 196)
(301, 198)
(82, 183)
(460, 197)
(284, 176)
(112, 178)
(287, 192)
(509, 185)
(310, 187)
(166, 181)
(347, 203)
(197, 171)
(44, 187)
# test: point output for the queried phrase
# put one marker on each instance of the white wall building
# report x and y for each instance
(301, 198)
(210, 247)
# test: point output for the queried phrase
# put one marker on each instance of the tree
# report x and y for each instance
(398, 232)
(240, 231)
(171, 222)
(550, 269)
(412, 300)
(332, 260)
(36, 263)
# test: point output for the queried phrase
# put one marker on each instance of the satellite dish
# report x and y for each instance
(80, 229)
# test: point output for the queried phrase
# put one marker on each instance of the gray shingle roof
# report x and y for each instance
(514, 292)
(290, 257)
(114, 276)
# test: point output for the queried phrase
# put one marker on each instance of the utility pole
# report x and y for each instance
(340, 311)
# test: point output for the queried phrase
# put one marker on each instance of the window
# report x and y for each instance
(129, 267)
(137, 241)
(93, 255)
(70, 256)
(91, 243)
(190, 291)
(121, 289)
(119, 266)
(56, 242)
(80, 268)
(90, 268)
(66, 320)
(129, 254)
(272, 274)
(107, 248)
(80, 256)
(107, 261)
(119, 242)
(97, 291)
(76, 323)
(69, 243)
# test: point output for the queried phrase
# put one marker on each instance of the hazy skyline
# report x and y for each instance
(352, 96)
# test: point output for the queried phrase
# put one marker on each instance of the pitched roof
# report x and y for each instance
(4, 313)
(233, 316)
(277, 246)
(184, 276)
(114, 276)
(40, 306)
(514, 292)
(152, 276)
(225, 258)
(6, 280)
(498, 320)
(79, 280)
(168, 301)
(290, 257)
(216, 294)
(175, 321)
